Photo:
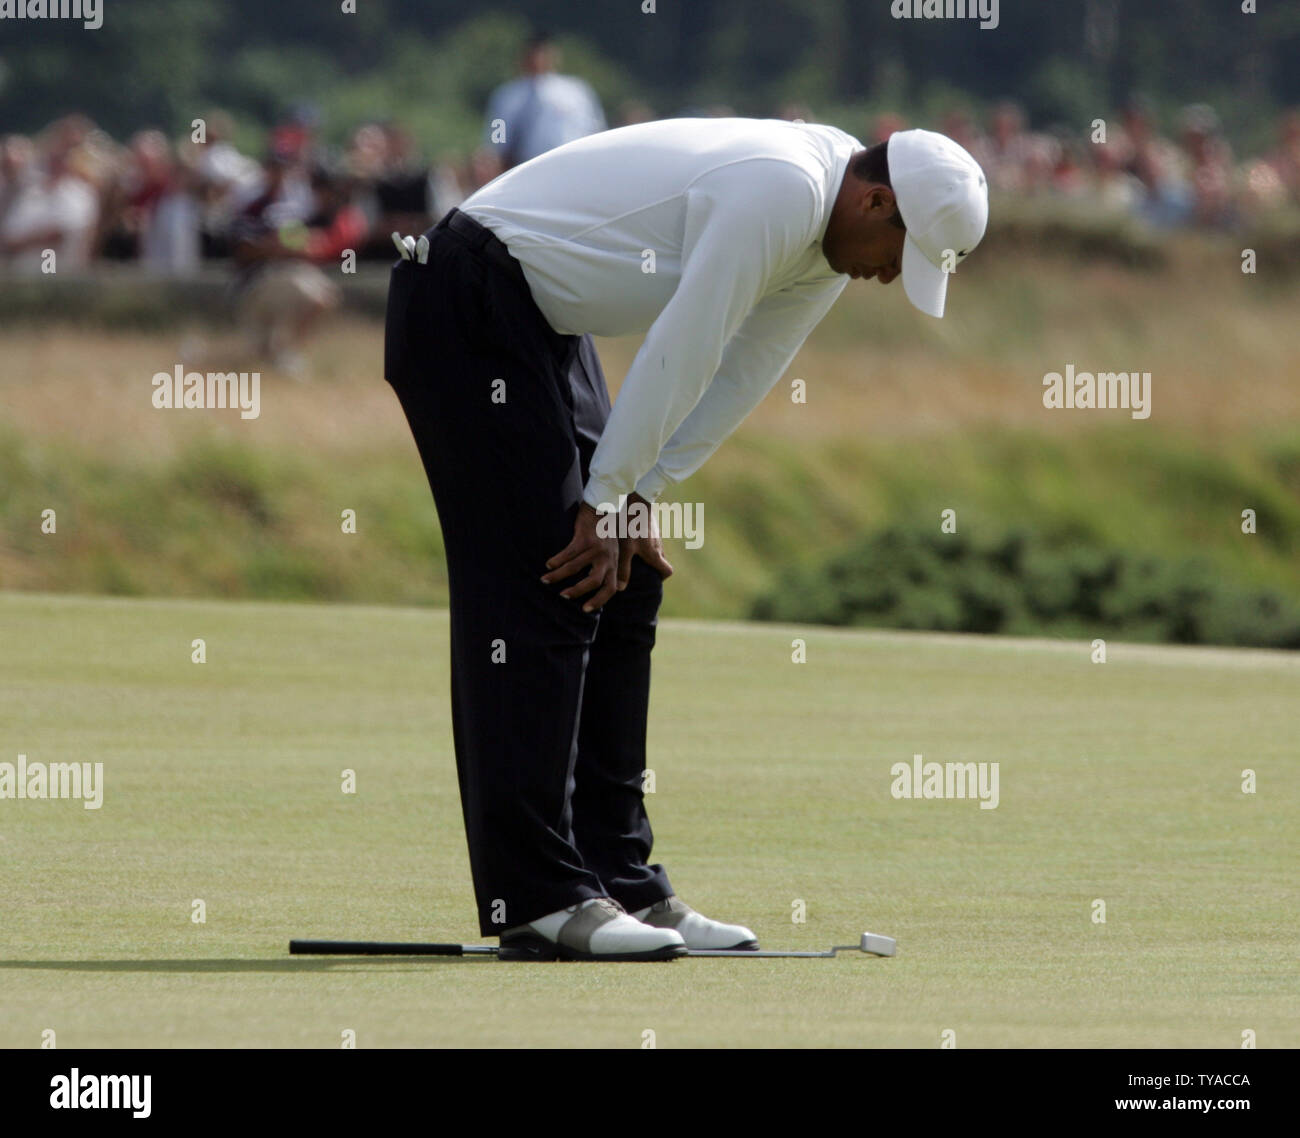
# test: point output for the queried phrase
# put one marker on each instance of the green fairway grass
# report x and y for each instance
(1119, 782)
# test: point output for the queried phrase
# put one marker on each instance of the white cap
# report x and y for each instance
(944, 200)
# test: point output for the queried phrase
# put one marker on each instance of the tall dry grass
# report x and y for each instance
(902, 412)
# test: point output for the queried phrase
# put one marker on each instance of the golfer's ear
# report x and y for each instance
(882, 201)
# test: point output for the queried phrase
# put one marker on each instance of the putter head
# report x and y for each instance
(879, 945)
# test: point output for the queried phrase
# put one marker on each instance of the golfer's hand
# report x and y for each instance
(647, 546)
(588, 550)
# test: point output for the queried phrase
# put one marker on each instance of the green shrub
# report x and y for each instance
(1027, 584)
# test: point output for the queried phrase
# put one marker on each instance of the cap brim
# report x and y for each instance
(926, 286)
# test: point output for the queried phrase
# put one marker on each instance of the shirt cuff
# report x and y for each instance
(602, 496)
(653, 483)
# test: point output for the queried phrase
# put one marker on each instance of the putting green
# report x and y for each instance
(222, 783)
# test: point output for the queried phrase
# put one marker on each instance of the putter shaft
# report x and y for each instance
(409, 948)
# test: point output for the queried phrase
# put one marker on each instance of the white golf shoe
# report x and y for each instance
(598, 929)
(696, 929)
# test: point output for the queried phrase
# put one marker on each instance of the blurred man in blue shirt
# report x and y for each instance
(540, 110)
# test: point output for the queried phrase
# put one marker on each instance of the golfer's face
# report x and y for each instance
(877, 252)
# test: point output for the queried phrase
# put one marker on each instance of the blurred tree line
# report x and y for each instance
(432, 62)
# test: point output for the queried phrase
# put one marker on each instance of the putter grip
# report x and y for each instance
(371, 948)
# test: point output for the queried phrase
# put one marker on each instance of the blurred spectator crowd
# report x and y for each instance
(171, 205)
(1191, 178)
(286, 221)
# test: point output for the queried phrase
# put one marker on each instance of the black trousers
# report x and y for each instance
(549, 703)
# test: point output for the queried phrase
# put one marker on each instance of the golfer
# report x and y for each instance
(724, 241)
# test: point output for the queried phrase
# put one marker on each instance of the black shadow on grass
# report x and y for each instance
(337, 964)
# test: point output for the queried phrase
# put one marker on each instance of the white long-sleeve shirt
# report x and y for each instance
(703, 233)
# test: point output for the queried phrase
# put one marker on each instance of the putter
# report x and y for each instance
(871, 943)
